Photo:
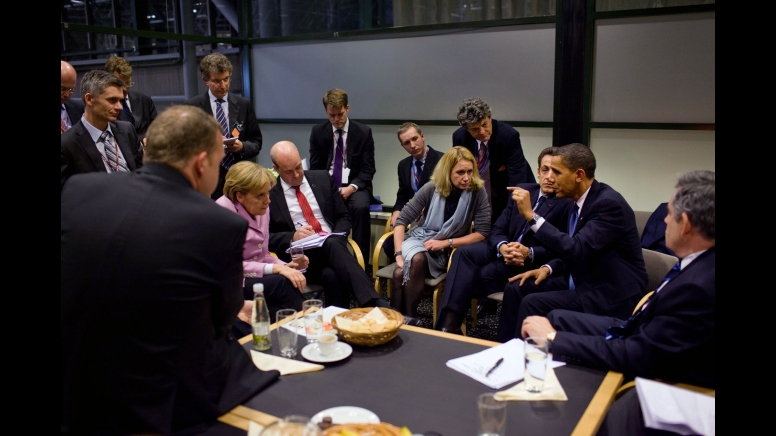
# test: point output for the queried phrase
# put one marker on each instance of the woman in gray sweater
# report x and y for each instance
(445, 209)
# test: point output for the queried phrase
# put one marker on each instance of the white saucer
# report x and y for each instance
(347, 415)
(312, 353)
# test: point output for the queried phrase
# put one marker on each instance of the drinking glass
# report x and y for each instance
(297, 253)
(536, 357)
(313, 319)
(492, 415)
(286, 337)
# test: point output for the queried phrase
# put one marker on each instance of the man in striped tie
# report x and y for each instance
(673, 337)
(100, 142)
(234, 114)
(414, 170)
(70, 110)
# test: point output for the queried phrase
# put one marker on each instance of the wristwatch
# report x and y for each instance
(396, 253)
(551, 336)
(534, 219)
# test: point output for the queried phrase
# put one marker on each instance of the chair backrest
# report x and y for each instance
(641, 220)
(657, 264)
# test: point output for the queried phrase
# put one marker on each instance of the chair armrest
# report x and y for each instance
(357, 252)
(378, 249)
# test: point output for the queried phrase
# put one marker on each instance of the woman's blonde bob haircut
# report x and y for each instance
(246, 177)
(441, 175)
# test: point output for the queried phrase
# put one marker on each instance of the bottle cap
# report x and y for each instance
(258, 288)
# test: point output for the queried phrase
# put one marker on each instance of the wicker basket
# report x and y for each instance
(395, 319)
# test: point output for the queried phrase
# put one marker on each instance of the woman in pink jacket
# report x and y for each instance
(246, 192)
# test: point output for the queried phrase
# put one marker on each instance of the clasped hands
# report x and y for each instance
(514, 253)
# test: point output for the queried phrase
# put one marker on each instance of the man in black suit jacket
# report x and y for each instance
(138, 108)
(332, 265)
(358, 163)
(70, 110)
(672, 336)
(412, 140)
(503, 155)
(602, 258)
(483, 268)
(240, 118)
(82, 148)
(147, 305)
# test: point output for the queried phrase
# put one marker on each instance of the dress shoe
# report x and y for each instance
(456, 331)
(411, 320)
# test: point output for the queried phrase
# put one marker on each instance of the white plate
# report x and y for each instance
(347, 415)
(313, 354)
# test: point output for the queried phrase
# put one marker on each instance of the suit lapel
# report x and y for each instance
(86, 143)
(279, 198)
(234, 109)
(595, 188)
(121, 136)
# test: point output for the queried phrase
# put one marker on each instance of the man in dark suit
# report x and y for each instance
(237, 120)
(70, 110)
(672, 336)
(483, 268)
(87, 147)
(598, 254)
(138, 108)
(345, 148)
(147, 305)
(413, 171)
(497, 147)
(305, 202)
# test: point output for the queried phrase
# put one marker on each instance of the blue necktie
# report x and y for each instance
(621, 330)
(112, 153)
(336, 170)
(221, 118)
(572, 226)
(418, 174)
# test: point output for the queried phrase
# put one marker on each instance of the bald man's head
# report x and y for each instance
(287, 162)
(67, 80)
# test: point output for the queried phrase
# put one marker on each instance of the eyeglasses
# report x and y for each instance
(66, 90)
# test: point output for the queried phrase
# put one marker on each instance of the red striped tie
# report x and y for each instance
(307, 211)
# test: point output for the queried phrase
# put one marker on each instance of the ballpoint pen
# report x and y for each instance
(495, 365)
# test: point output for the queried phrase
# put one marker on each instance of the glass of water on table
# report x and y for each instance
(297, 253)
(313, 319)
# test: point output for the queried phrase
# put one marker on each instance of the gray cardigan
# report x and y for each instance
(480, 213)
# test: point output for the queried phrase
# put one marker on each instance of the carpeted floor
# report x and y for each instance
(487, 321)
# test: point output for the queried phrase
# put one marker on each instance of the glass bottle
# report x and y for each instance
(260, 319)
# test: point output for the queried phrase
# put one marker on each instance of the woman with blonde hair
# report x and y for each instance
(445, 208)
(246, 192)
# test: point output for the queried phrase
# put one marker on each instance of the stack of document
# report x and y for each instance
(312, 241)
(478, 365)
(667, 407)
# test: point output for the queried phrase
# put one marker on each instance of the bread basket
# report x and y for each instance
(370, 339)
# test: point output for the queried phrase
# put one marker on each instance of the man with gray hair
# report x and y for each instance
(497, 147)
(149, 295)
(100, 142)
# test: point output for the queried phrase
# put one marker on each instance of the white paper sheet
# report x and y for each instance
(511, 369)
(312, 241)
(298, 324)
(671, 408)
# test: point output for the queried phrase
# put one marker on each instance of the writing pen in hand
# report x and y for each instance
(495, 365)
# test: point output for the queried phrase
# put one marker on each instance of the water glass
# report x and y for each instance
(492, 414)
(297, 253)
(313, 319)
(536, 358)
(286, 337)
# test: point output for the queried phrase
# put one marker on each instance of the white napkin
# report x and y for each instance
(510, 370)
(667, 407)
(254, 428)
(266, 362)
(551, 391)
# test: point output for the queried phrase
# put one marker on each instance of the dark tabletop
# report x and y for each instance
(405, 382)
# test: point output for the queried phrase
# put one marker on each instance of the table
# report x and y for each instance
(406, 382)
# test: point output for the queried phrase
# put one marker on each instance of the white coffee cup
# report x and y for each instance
(327, 343)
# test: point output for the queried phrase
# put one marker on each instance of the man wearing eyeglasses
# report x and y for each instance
(70, 110)
(234, 114)
(137, 108)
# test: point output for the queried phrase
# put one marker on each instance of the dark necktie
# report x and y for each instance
(418, 174)
(112, 153)
(336, 171)
(221, 118)
(621, 330)
(527, 226)
(125, 107)
(483, 166)
(307, 211)
(572, 226)
(482, 158)
(64, 119)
